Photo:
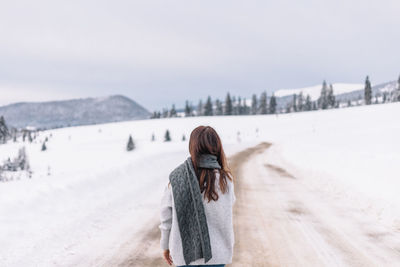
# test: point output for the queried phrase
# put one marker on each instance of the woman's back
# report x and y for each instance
(196, 209)
(219, 222)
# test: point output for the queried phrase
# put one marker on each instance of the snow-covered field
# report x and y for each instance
(88, 195)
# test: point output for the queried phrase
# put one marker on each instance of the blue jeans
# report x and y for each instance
(217, 265)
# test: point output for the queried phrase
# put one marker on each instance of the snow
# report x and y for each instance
(315, 91)
(87, 195)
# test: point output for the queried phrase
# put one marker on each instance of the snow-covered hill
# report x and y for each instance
(73, 112)
(87, 195)
(315, 91)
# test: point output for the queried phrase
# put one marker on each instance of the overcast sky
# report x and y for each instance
(163, 52)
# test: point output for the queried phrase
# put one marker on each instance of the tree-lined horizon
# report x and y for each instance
(264, 104)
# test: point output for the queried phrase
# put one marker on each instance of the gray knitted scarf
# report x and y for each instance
(189, 207)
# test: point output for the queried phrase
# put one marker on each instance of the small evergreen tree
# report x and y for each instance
(228, 105)
(22, 160)
(153, 137)
(331, 97)
(300, 102)
(218, 108)
(314, 105)
(245, 108)
(272, 104)
(200, 108)
(4, 132)
(367, 92)
(234, 106)
(188, 109)
(208, 108)
(165, 113)
(167, 136)
(239, 107)
(131, 145)
(376, 99)
(263, 103)
(384, 97)
(323, 99)
(183, 138)
(254, 104)
(172, 112)
(153, 116)
(44, 147)
(396, 95)
(294, 103)
(308, 104)
(14, 134)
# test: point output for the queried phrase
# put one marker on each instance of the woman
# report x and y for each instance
(196, 209)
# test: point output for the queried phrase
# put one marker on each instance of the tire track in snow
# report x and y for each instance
(145, 250)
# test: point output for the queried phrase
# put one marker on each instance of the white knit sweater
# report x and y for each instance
(219, 222)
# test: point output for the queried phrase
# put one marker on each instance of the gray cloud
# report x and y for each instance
(163, 52)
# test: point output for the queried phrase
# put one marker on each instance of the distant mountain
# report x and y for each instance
(74, 112)
(315, 91)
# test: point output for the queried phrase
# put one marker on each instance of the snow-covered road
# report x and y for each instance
(280, 220)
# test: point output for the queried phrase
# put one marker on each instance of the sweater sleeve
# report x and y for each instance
(166, 217)
(233, 194)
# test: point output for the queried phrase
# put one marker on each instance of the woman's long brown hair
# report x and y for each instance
(205, 140)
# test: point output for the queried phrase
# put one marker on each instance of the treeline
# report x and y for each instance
(268, 105)
(231, 106)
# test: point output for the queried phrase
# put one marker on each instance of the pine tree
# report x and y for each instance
(200, 108)
(131, 145)
(254, 104)
(384, 97)
(155, 115)
(308, 104)
(22, 159)
(228, 105)
(234, 106)
(300, 102)
(331, 97)
(294, 103)
(245, 108)
(240, 107)
(188, 109)
(272, 104)
(167, 136)
(4, 132)
(44, 147)
(153, 137)
(172, 112)
(218, 108)
(183, 138)
(165, 113)
(323, 99)
(314, 105)
(263, 103)
(367, 92)
(397, 92)
(208, 108)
